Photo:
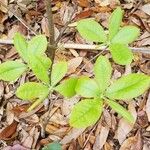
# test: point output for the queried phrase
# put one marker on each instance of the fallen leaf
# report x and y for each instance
(73, 64)
(83, 3)
(101, 138)
(132, 143)
(148, 107)
(124, 127)
(73, 134)
(8, 131)
(146, 8)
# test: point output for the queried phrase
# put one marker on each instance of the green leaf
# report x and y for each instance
(11, 70)
(121, 54)
(103, 71)
(52, 146)
(31, 91)
(58, 72)
(121, 110)
(40, 66)
(91, 30)
(87, 87)
(115, 22)
(37, 45)
(67, 88)
(20, 45)
(86, 113)
(128, 87)
(126, 35)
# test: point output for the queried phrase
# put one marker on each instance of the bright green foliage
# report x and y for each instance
(58, 72)
(37, 45)
(21, 45)
(128, 87)
(121, 54)
(87, 87)
(103, 71)
(91, 30)
(118, 38)
(52, 146)
(11, 70)
(40, 66)
(120, 110)
(86, 113)
(67, 88)
(31, 91)
(126, 35)
(115, 22)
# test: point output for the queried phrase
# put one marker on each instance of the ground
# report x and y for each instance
(49, 121)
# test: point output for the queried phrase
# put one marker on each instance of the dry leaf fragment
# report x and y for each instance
(73, 134)
(148, 107)
(73, 64)
(132, 143)
(8, 131)
(124, 127)
(146, 9)
(101, 138)
(83, 3)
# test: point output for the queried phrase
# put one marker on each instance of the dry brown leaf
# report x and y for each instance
(73, 64)
(124, 127)
(146, 9)
(8, 131)
(73, 134)
(3, 8)
(83, 3)
(132, 143)
(9, 113)
(101, 138)
(148, 107)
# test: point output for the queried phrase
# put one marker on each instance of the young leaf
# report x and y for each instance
(87, 87)
(11, 70)
(128, 87)
(40, 66)
(121, 110)
(102, 70)
(21, 45)
(121, 54)
(67, 88)
(115, 22)
(31, 91)
(86, 113)
(58, 72)
(37, 45)
(52, 146)
(91, 30)
(126, 35)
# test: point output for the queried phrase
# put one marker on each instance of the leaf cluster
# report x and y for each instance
(117, 39)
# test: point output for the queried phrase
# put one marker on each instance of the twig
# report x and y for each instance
(20, 19)
(52, 46)
(85, 46)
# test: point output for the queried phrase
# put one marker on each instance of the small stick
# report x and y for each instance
(85, 46)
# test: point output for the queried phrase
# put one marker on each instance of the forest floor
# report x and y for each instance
(21, 130)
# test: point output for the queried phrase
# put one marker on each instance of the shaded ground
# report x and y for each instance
(49, 122)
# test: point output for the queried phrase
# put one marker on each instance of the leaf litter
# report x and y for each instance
(19, 128)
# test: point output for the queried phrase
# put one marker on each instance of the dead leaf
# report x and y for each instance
(2, 7)
(73, 64)
(132, 143)
(146, 9)
(101, 138)
(124, 127)
(148, 107)
(73, 134)
(83, 3)
(8, 131)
